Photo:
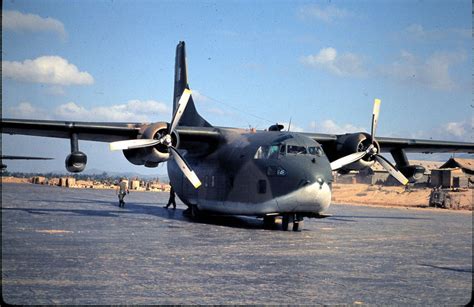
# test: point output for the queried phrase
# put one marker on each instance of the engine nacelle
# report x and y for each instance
(76, 162)
(413, 172)
(355, 142)
(152, 156)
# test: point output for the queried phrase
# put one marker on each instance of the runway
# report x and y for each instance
(68, 246)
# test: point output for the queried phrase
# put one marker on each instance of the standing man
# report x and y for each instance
(123, 190)
(172, 199)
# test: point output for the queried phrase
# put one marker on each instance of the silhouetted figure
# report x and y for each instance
(123, 190)
(172, 199)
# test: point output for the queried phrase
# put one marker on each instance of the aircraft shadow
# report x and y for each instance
(111, 209)
(355, 218)
(447, 268)
(132, 208)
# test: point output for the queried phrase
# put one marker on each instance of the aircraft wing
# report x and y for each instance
(23, 158)
(424, 146)
(408, 145)
(100, 131)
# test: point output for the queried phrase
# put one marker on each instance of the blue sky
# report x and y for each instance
(250, 63)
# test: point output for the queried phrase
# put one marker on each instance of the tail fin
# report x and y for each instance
(190, 116)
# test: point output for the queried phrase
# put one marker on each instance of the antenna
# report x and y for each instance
(289, 125)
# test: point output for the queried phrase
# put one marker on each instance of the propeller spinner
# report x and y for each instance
(165, 140)
(371, 151)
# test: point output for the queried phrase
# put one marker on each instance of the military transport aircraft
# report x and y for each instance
(236, 171)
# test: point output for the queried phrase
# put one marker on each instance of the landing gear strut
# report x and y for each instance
(292, 221)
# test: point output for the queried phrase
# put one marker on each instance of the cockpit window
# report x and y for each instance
(296, 150)
(267, 152)
(315, 151)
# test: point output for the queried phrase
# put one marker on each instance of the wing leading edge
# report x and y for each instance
(100, 132)
(388, 144)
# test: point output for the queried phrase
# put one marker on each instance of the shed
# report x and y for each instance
(466, 165)
(455, 173)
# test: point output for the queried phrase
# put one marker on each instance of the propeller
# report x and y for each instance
(165, 140)
(371, 151)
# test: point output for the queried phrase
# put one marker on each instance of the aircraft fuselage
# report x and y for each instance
(260, 173)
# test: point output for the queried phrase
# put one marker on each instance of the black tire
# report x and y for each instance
(269, 222)
(298, 226)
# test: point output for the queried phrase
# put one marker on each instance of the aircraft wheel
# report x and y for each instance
(298, 225)
(287, 222)
(268, 222)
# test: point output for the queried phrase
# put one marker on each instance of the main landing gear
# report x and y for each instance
(292, 221)
(288, 222)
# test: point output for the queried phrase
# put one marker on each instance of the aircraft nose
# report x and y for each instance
(314, 197)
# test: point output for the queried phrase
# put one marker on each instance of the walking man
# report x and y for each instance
(172, 199)
(123, 190)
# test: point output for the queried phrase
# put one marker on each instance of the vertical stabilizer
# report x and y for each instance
(190, 116)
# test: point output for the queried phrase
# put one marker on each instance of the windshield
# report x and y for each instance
(267, 152)
(315, 150)
(296, 150)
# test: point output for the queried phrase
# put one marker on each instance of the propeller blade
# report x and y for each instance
(337, 164)
(391, 169)
(182, 103)
(183, 165)
(375, 118)
(132, 144)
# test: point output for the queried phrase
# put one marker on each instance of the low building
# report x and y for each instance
(455, 173)
(39, 180)
(134, 184)
(376, 174)
(70, 182)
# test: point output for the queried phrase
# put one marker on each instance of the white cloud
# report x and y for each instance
(17, 21)
(452, 131)
(325, 14)
(217, 111)
(347, 64)
(419, 33)
(330, 126)
(46, 69)
(132, 111)
(198, 97)
(26, 110)
(433, 71)
(456, 129)
(461, 130)
(293, 128)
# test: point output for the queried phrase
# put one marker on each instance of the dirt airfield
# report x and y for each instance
(393, 196)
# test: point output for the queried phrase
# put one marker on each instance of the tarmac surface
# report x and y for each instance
(70, 246)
